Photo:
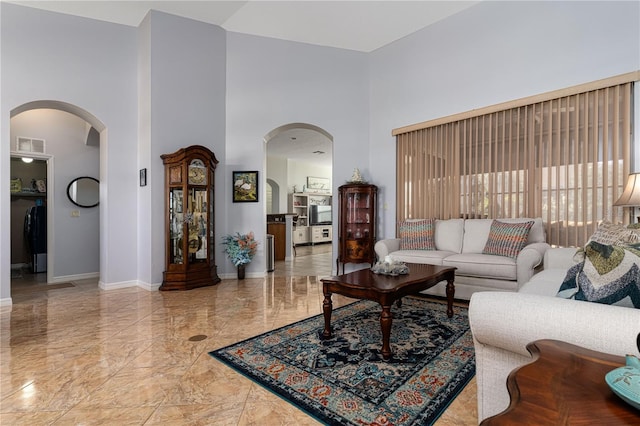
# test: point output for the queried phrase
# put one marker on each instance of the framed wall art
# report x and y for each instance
(318, 184)
(245, 187)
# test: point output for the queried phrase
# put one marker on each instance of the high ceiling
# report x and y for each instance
(355, 25)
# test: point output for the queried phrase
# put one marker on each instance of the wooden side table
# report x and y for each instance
(564, 385)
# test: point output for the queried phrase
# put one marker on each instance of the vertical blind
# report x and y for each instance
(563, 158)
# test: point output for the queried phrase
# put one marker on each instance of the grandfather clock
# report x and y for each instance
(189, 219)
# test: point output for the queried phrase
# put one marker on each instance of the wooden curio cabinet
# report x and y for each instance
(357, 224)
(189, 219)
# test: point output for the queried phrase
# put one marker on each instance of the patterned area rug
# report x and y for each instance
(344, 380)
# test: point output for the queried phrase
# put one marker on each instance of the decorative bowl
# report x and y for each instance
(625, 381)
(390, 268)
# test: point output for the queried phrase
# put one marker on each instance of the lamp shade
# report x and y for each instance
(631, 195)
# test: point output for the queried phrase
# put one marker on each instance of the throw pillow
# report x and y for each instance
(507, 239)
(417, 234)
(608, 274)
(613, 234)
(634, 233)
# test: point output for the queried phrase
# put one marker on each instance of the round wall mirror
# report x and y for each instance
(84, 191)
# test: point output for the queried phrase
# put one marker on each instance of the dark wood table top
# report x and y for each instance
(565, 385)
(366, 279)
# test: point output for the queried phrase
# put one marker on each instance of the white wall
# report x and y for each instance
(92, 65)
(300, 170)
(271, 83)
(490, 53)
(487, 54)
(77, 239)
(182, 83)
(277, 171)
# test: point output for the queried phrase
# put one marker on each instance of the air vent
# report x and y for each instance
(29, 145)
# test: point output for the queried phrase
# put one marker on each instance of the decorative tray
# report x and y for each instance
(390, 268)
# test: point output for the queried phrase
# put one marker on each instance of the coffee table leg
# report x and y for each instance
(386, 319)
(450, 293)
(327, 307)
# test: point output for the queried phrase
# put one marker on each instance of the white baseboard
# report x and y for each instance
(127, 284)
(6, 305)
(77, 277)
(149, 286)
(115, 286)
(234, 275)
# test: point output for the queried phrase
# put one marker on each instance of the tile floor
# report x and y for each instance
(80, 355)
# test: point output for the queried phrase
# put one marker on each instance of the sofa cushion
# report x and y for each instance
(483, 265)
(507, 239)
(608, 274)
(430, 257)
(449, 235)
(476, 232)
(545, 283)
(417, 234)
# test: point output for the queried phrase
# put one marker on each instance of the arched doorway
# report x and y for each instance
(295, 152)
(73, 137)
(300, 143)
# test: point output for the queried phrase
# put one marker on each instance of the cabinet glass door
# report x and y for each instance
(196, 221)
(358, 216)
(176, 225)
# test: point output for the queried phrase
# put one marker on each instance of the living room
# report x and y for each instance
(217, 105)
(171, 82)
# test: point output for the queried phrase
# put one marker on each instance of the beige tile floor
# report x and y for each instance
(83, 356)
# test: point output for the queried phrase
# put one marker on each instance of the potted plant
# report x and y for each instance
(240, 249)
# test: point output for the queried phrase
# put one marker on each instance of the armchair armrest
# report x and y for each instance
(384, 247)
(510, 321)
(503, 323)
(529, 258)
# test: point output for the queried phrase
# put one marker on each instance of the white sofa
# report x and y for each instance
(460, 242)
(504, 323)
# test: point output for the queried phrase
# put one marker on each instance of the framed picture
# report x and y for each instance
(318, 183)
(143, 177)
(245, 187)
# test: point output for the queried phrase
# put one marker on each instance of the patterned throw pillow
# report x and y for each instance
(417, 234)
(507, 239)
(608, 274)
(614, 234)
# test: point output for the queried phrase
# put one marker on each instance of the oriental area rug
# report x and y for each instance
(344, 380)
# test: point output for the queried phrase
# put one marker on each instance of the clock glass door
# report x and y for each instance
(197, 225)
(176, 225)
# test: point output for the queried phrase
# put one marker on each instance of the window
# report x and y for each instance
(562, 156)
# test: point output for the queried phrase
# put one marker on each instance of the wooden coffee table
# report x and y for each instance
(385, 289)
(564, 385)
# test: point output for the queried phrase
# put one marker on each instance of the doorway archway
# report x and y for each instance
(295, 152)
(91, 133)
(296, 143)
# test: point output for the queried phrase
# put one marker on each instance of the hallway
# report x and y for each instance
(316, 260)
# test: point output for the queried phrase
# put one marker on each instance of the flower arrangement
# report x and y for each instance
(240, 247)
